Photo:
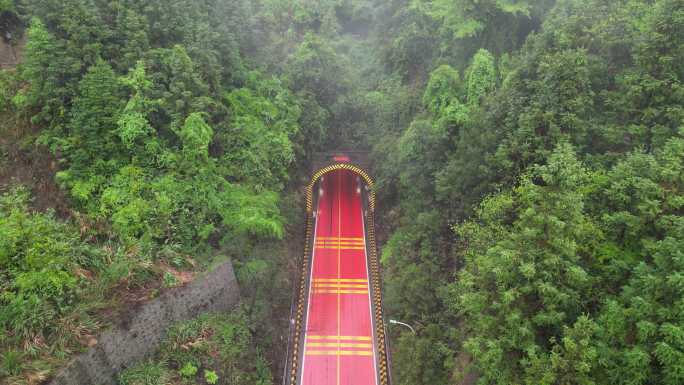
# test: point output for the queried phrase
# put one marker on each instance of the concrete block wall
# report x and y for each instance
(139, 335)
(10, 55)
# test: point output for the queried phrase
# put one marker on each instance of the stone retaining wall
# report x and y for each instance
(140, 334)
(10, 55)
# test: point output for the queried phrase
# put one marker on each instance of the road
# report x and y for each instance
(339, 348)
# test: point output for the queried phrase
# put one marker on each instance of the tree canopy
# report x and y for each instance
(528, 158)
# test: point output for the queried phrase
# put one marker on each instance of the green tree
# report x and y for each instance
(40, 69)
(177, 86)
(465, 18)
(408, 41)
(257, 146)
(196, 136)
(443, 90)
(316, 67)
(527, 275)
(480, 77)
(133, 122)
(91, 148)
(130, 36)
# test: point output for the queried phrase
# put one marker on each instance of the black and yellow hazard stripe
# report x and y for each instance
(339, 166)
(301, 293)
(377, 300)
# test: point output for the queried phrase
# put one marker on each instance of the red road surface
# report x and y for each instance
(339, 348)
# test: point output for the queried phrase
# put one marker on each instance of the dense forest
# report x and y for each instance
(528, 154)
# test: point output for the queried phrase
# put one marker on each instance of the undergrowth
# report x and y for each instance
(58, 282)
(211, 349)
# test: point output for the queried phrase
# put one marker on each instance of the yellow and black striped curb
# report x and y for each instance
(301, 293)
(377, 300)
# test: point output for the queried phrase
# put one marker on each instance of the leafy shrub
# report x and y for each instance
(10, 363)
(26, 316)
(146, 373)
(12, 122)
(211, 377)
(6, 6)
(169, 280)
(188, 370)
(51, 283)
(37, 255)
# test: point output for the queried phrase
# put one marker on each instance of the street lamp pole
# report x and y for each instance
(395, 322)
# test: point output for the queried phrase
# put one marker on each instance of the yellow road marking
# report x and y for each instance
(337, 241)
(340, 285)
(325, 246)
(340, 280)
(343, 245)
(355, 338)
(325, 291)
(340, 240)
(340, 244)
(338, 353)
(339, 345)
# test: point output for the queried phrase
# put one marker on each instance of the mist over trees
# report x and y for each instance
(528, 157)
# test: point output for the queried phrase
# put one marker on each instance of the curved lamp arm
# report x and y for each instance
(395, 322)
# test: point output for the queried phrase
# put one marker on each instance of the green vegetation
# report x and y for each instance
(53, 284)
(558, 168)
(528, 156)
(173, 150)
(217, 348)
